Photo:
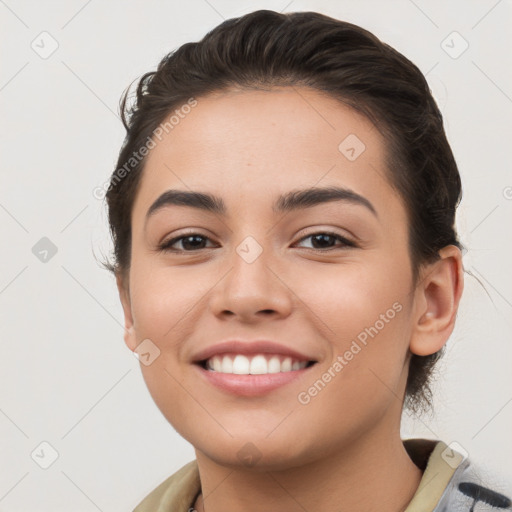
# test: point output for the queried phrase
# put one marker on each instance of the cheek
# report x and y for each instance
(346, 299)
(163, 302)
(362, 314)
(163, 297)
(364, 372)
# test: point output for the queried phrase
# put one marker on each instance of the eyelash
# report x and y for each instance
(166, 246)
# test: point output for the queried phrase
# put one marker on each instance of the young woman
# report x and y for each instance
(283, 214)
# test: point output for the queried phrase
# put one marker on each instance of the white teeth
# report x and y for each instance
(286, 365)
(216, 363)
(241, 365)
(254, 365)
(274, 365)
(258, 365)
(227, 365)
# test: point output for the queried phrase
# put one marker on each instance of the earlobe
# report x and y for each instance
(130, 338)
(129, 330)
(437, 300)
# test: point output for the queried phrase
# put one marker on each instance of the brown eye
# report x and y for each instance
(325, 240)
(189, 243)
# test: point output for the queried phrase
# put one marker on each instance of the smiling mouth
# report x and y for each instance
(257, 364)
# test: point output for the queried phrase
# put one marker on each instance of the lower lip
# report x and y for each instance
(251, 385)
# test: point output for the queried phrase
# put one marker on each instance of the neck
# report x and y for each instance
(371, 473)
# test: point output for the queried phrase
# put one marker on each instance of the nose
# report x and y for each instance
(252, 290)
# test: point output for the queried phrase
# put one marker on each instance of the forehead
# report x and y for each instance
(253, 142)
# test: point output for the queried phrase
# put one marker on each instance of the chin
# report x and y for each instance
(253, 454)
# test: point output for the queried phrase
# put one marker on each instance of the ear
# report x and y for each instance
(124, 295)
(437, 298)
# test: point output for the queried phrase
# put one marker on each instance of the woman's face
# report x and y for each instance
(258, 271)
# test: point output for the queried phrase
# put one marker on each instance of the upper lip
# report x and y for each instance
(249, 347)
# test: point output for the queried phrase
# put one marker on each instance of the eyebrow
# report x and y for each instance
(293, 200)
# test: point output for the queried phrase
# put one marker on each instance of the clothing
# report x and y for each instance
(449, 484)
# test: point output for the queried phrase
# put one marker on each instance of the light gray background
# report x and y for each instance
(67, 377)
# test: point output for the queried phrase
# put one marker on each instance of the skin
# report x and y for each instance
(342, 451)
